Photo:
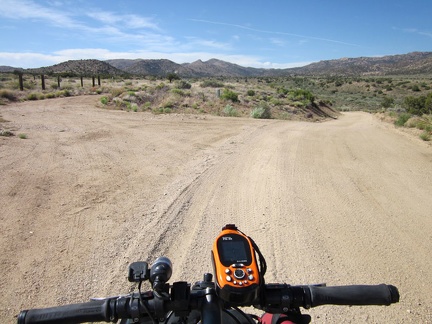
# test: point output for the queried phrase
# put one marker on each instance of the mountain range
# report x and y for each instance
(405, 64)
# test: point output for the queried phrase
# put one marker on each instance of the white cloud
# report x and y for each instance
(22, 9)
(415, 31)
(127, 21)
(282, 33)
(193, 42)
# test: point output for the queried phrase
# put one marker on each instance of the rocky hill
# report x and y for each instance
(79, 67)
(412, 63)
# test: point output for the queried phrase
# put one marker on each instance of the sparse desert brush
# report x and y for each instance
(262, 111)
(178, 91)
(116, 92)
(212, 84)
(229, 95)
(104, 100)
(7, 94)
(402, 119)
(181, 84)
(230, 111)
(425, 136)
(32, 96)
(6, 133)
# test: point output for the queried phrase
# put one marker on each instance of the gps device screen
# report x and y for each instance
(234, 249)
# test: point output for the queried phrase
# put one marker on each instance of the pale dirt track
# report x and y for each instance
(344, 202)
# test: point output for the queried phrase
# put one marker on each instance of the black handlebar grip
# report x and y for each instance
(354, 295)
(76, 313)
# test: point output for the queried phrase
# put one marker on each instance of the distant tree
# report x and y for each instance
(172, 76)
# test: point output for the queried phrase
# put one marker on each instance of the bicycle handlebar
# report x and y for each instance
(354, 295)
(278, 298)
(94, 311)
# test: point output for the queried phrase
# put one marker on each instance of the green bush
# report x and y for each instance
(178, 92)
(8, 95)
(32, 96)
(230, 111)
(251, 93)
(387, 102)
(425, 136)
(211, 84)
(104, 100)
(418, 105)
(402, 119)
(183, 85)
(229, 95)
(261, 112)
(301, 94)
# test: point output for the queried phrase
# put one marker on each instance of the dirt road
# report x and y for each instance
(89, 191)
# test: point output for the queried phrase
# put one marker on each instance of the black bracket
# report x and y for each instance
(138, 271)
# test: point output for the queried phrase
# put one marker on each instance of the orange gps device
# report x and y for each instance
(235, 267)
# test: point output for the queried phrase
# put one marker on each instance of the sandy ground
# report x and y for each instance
(90, 190)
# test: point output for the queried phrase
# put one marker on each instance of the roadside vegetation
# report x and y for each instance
(406, 101)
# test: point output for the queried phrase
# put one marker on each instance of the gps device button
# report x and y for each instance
(228, 278)
(239, 273)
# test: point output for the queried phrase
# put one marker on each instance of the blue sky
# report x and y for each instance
(264, 34)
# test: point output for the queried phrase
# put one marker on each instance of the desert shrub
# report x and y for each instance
(8, 95)
(160, 86)
(251, 93)
(229, 95)
(67, 93)
(6, 133)
(104, 100)
(425, 136)
(230, 111)
(418, 105)
(32, 96)
(182, 85)
(402, 119)
(415, 88)
(115, 92)
(387, 102)
(178, 92)
(211, 84)
(22, 136)
(301, 95)
(262, 111)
